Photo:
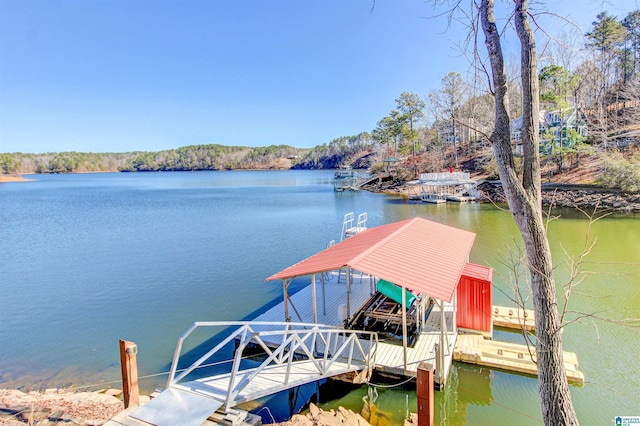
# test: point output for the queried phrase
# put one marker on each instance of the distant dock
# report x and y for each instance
(351, 180)
(436, 188)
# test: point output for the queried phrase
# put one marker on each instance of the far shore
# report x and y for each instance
(13, 178)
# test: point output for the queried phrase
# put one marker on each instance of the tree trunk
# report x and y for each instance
(525, 203)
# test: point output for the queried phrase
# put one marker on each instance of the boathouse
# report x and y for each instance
(401, 281)
(412, 288)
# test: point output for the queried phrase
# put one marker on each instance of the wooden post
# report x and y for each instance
(129, 366)
(348, 281)
(425, 391)
(324, 301)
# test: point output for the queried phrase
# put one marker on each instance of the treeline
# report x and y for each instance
(211, 157)
(63, 162)
(338, 152)
(193, 157)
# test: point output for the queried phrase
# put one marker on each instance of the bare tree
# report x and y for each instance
(525, 203)
(452, 94)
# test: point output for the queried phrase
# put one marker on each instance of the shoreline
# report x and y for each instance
(13, 178)
(59, 405)
(588, 198)
(95, 408)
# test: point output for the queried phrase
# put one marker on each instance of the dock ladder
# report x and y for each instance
(348, 230)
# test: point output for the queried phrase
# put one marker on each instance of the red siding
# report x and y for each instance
(474, 298)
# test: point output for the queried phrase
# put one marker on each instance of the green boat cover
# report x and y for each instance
(394, 292)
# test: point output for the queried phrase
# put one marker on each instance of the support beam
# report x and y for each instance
(313, 298)
(324, 300)
(454, 319)
(404, 330)
(443, 326)
(348, 278)
(286, 299)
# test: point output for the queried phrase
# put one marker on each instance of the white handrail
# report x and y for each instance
(444, 176)
(295, 338)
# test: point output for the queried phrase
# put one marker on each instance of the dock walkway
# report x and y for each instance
(199, 399)
(305, 353)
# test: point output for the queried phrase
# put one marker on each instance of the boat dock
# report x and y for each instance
(436, 188)
(383, 299)
(332, 310)
(511, 357)
(349, 180)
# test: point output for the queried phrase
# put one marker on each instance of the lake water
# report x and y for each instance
(88, 259)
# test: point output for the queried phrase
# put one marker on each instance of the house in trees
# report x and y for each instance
(558, 129)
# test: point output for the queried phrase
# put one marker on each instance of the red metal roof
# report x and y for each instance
(423, 256)
(478, 272)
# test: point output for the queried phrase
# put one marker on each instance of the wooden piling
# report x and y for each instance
(425, 391)
(129, 367)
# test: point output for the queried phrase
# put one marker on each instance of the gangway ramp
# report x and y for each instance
(304, 353)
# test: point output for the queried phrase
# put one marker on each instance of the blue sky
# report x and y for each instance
(114, 75)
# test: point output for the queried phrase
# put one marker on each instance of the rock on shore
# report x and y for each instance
(572, 196)
(57, 406)
(319, 417)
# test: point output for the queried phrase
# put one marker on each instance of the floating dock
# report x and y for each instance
(514, 318)
(511, 357)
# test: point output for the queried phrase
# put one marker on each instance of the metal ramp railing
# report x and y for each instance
(295, 354)
(324, 351)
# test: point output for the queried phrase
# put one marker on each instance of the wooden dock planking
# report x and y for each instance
(515, 318)
(270, 380)
(513, 357)
(390, 357)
